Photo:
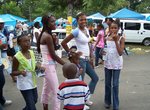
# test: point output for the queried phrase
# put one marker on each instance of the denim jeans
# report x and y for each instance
(2, 83)
(87, 68)
(97, 55)
(112, 87)
(30, 96)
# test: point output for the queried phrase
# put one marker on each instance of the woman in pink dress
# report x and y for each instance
(46, 46)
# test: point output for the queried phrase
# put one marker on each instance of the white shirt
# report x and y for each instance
(25, 82)
(34, 31)
(82, 41)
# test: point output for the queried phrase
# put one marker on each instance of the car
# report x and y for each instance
(136, 31)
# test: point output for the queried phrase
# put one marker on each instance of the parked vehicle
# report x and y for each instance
(61, 33)
(136, 31)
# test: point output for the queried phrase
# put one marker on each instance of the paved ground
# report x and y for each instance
(134, 86)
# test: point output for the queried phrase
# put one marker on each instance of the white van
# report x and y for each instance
(136, 31)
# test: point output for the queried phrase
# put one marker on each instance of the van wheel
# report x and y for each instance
(146, 42)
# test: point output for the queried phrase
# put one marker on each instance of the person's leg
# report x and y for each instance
(94, 78)
(1, 108)
(116, 74)
(83, 65)
(100, 53)
(30, 97)
(50, 88)
(2, 82)
(108, 78)
(97, 56)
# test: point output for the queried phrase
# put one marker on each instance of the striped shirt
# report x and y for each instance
(74, 94)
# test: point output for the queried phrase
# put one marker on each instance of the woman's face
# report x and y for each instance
(82, 21)
(114, 28)
(52, 25)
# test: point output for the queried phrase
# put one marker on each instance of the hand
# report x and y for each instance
(79, 53)
(80, 71)
(23, 73)
(42, 69)
(114, 36)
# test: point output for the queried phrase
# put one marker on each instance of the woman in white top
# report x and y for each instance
(82, 39)
(113, 65)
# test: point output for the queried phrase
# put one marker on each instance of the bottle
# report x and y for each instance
(105, 53)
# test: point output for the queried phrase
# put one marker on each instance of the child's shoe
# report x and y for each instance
(89, 103)
(86, 107)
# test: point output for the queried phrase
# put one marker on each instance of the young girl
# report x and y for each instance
(113, 65)
(24, 68)
(99, 45)
(75, 58)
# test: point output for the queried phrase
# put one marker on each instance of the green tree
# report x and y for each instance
(33, 8)
(134, 3)
(11, 8)
(103, 6)
(143, 7)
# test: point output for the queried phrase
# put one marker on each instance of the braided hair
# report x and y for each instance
(45, 22)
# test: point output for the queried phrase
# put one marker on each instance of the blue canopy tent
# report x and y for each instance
(11, 19)
(127, 14)
(38, 19)
(96, 16)
(8, 21)
(148, 18)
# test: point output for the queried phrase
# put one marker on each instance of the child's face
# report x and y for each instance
(25, 43)
(114, 28)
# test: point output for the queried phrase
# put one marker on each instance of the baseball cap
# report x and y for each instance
(1, 20)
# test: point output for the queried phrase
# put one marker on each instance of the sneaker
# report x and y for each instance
(8, 102)
(86, 107)
(89, 103)
(107, 106)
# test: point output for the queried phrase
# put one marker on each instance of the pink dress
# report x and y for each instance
(50, 84)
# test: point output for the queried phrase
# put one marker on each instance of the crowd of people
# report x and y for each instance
(74, 92)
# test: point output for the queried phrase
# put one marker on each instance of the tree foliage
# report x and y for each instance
(33, 8)
(11, 7)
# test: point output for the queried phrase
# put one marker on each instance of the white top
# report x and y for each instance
(25, 27)
(34, 31)
(113, 59)
(82, 41)
(25, 82)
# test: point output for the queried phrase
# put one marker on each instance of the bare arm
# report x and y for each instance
(50, 45)
(65, 41)
(120, 46)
